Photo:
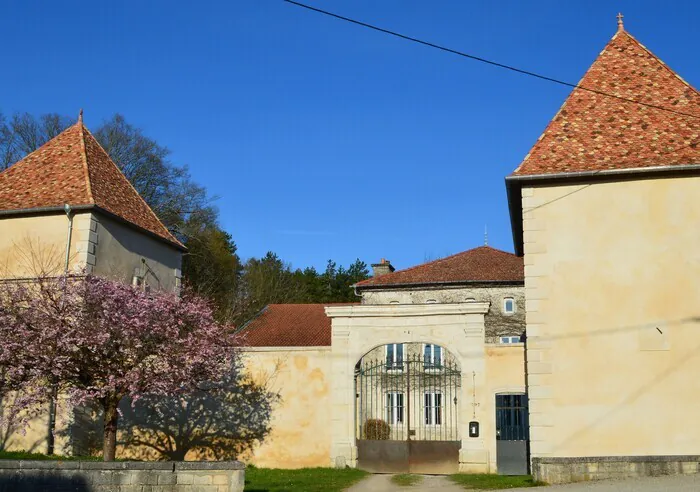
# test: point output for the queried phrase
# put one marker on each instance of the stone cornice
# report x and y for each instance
(397, 310)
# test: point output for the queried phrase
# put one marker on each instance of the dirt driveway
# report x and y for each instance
(682, 483)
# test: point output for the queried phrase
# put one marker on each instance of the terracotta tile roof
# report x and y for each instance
(482, 264)
(592, 132)
(289, 325)
(73, 168)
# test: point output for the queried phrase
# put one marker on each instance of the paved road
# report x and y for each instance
(682, 483)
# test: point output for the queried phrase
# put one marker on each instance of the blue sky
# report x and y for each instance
(320, 138)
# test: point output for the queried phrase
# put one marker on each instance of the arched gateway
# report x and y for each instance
(407, 409)
(408, 379)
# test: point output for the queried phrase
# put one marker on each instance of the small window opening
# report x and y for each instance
(509, 305)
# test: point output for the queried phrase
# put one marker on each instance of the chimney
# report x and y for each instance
(382, 268)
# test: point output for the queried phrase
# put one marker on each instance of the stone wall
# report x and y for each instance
(497, 323)
(125, 476)
(565, 470)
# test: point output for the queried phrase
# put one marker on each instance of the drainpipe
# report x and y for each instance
(50, 438)
(68, 210)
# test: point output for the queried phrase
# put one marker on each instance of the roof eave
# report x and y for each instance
(455, 283)
(87, 207)
(514, 184)
(44, 210)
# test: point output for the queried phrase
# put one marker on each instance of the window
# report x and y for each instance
(394, 356)
(508, 305)
(432, 356)
(394, 408)
(433, 409)
(510, 339)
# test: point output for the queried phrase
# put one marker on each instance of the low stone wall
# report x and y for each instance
(565, 470)
(121, 476)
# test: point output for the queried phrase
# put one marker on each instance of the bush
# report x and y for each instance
(377, 429)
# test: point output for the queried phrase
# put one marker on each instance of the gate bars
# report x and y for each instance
(413, 398)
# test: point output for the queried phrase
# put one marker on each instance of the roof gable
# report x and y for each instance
(483, 264)
(594, 132)
(74, 169)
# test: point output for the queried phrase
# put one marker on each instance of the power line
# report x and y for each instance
(691, 144)
(483, 60)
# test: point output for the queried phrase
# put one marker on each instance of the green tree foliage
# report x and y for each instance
(269, 280)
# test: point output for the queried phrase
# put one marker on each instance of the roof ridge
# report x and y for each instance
(433, 262)
(655, 57)
(83, 154)
(553, 119)
(439, 260)
(621, 60)
(148, 207)
(25, 158)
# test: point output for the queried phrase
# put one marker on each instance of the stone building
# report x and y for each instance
(424, 356)
(66, 207)
(604, 209)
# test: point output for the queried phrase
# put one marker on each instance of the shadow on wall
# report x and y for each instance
(11, 427)
(48, 482)
(220, 422)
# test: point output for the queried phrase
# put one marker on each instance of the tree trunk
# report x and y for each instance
(111, 418)
(51, 434)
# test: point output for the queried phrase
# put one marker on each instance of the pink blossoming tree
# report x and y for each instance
(98, 341)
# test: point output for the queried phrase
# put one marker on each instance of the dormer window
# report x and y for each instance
(508, 305)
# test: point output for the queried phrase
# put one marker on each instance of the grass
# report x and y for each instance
(303, 480)
(25, 455)
(493, 482)
(406, 479)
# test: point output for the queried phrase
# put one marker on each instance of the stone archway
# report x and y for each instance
(357, 330)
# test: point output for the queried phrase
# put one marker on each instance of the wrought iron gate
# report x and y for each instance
(512, 434)
(407, 413)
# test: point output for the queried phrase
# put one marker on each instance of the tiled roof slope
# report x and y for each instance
(482, 264)
(73, 168)
(289, 325)
(593, 132)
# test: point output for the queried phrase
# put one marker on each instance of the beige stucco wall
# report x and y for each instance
(300, 434)
(36, 244)
(31, 436)
(613, 321)
(120, 250)
(32, 245)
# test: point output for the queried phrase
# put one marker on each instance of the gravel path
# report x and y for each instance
(382, 483)
(678, 483)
